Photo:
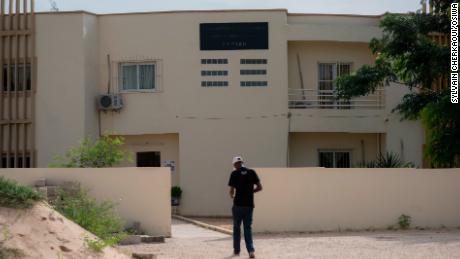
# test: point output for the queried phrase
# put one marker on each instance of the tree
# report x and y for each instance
(407, 54)
(104, 152)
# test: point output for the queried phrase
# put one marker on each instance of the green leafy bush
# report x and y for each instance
(388, 160)
(104, 152)
(13, 195)
(98, 218)
(9, 253)
(97, 245)
(404, 221)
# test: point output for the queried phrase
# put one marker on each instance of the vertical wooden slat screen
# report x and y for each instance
(18, 83)
(2, 51)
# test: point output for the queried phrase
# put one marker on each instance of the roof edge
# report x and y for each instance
(215, 11)
(166, 12)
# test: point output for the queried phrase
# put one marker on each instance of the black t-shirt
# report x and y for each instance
(244, 180)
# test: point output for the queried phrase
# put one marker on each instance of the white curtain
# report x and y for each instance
(147, 76)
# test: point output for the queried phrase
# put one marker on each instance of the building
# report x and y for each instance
(199, 87)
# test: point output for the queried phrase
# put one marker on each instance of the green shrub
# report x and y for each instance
(404, 221)
(97, 245)
(98, 218)
(389, 160)
(13, 195)
(176, 192)
(10, 253)
(104, 152)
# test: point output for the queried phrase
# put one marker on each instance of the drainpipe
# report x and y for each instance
(288, 163)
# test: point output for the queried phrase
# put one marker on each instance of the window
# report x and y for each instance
(253, 72)
(214, 83)
(148, 159)
(335, 158)
(253, 83)
(12, 161)
(137, 76)
(20, 78)
(253, 61)
(214, 73)
(327, 74)
(214, 61)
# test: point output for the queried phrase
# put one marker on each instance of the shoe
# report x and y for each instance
(252, 255)
(236, 253)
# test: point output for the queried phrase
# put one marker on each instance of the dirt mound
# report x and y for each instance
(41, 232)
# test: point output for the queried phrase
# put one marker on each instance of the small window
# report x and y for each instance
(12, 161)
(138, 77)
(253, 61)
(214, 73)
(335, 159)
(220, 61)
(148, 159)
(253, 72)
(253, 83)
(214, 83)
(20, 77)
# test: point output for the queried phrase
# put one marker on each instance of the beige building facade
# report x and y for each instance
(193, 104)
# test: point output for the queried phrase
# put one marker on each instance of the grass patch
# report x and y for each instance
(404, 221)
(97, 217)
(8, 253)
(13, 195)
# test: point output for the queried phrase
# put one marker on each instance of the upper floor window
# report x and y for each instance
(138, 77)
(253, 72)
(214, 73)
(214, 61)
(327, 74)
(253, 61)
(19, 77)
(253, 83)
(214, 83)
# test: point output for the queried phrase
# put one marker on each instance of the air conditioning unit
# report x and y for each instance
(109, 102)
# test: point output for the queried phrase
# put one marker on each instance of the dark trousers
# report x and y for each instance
(242, 214)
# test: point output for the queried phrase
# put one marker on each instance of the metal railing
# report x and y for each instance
(327, 99)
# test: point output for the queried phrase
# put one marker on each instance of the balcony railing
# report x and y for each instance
(326, 99)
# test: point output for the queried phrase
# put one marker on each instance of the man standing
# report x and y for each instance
(243, 181)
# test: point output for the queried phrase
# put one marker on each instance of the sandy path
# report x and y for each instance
(190, 241)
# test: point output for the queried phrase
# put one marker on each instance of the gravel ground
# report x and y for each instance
(190, 241)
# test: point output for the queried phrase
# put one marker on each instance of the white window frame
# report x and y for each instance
(335, 75)
(156, 88)
(350, 151)
(335, 65)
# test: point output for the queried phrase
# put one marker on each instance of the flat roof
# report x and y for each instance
(215, 11)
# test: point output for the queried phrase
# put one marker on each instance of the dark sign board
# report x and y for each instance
(234, 36)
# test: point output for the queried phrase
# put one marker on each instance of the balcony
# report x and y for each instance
(326, 99)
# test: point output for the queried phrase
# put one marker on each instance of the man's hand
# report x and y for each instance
(258, 187)
(232, 192)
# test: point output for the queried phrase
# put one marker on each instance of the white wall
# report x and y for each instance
(67, 73)
(324, 27)
(315, 199)
(214, 124)
(405, 138)
(140, 194)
